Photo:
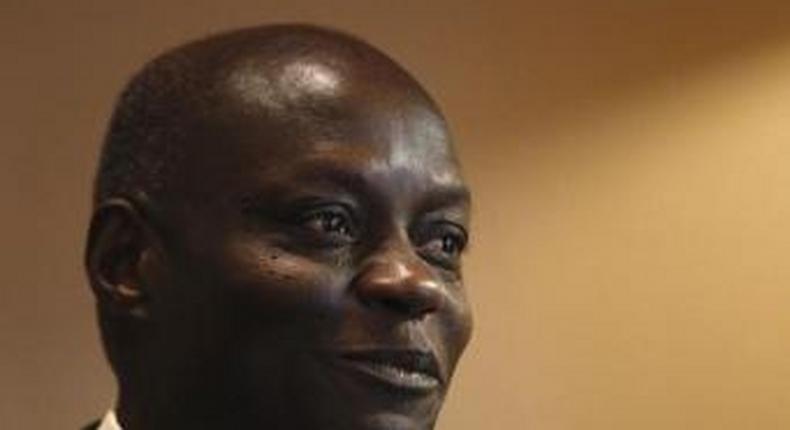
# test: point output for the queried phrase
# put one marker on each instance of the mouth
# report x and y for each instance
(404, 370)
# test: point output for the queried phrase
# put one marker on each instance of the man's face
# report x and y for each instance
(314, 264)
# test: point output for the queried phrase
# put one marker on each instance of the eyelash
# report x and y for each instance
(334, 226)
(331, 225)
(442, 243)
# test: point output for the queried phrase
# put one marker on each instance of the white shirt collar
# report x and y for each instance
(109, 422)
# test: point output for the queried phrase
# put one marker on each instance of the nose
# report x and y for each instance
(401, 283)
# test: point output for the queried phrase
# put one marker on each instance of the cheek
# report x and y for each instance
(273, 283)
(456, 325)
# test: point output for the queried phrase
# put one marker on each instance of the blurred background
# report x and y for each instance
(632, 217)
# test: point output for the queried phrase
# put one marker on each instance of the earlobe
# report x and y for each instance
(118, 247)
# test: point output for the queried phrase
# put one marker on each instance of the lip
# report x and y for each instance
(408, 370)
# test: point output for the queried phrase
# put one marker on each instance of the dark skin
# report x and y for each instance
(305, 272)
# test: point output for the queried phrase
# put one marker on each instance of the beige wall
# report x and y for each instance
(632, 216)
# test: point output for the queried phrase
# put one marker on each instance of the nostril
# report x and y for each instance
(412, 306)
(408, 298)
(399, 288)
(396, 305)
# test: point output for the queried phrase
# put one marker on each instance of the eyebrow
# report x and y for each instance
(333, 173)
(446, 196)
(317, 174)
(336, 174)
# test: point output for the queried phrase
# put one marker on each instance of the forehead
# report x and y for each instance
(312, 106)
(270, 112)
(329, 94)
(399, 151)
(309, 117)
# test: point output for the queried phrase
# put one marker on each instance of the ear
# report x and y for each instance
(119, 259)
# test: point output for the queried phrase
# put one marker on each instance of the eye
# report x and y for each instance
(452, 244)
(442, 243)
(332, 225)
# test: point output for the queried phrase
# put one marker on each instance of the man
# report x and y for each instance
(276, 241)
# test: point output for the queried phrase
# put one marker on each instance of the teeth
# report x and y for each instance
(408, 370)
(408, 376)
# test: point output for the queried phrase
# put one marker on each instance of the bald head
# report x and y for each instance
(290, 76)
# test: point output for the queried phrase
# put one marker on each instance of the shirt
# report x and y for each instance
(109, 422)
